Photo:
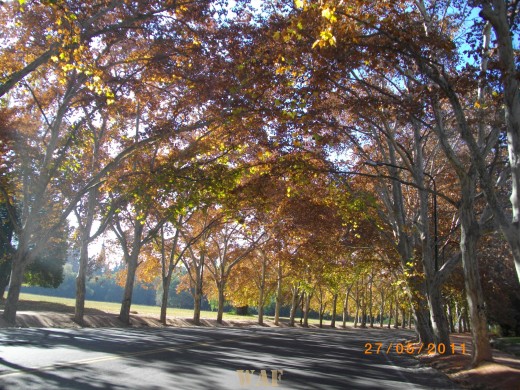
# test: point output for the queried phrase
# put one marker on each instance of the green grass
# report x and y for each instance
(67, 304)
(34, 302)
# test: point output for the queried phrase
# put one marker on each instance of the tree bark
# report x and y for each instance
(196, 305)
(166, 282)
(334, 304)
(468, 244)
(345, 306)
(81, 280)
(496, 12)
(370, 300)
(450, 317)
(124, 314)
(261, 298)
(396, 322)
(382, 309)
(307, 309)
(364, 305)
(294, 304)
(13, 295)
(356, 320)
(390, 312)
(221, 299)
(278, 304)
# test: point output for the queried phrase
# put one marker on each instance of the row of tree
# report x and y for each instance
(302, 148)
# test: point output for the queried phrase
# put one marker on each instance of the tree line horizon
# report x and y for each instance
(317, 153)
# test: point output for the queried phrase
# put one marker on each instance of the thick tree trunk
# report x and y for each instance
(370, 299)
(124, 314)
(13, 295)
(278, 304)
(423, 326)
(356, 319)
(396, 322)
(166, 282)
(221, 299)
(364, 305)
(382, 309)
(261, 302)
(468, 245)
(334, 311)
(458, 313)
(450, 318)
(497, 13)
(438, 315)
(345, 307)
(308, 298)
(5, 275)
(81, 281)
(81, 278)
(196, 306)
(294, 305)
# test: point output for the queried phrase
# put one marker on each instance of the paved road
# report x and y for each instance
(207, 358)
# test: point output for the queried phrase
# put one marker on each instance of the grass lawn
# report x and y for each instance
(33, 302)
(112, 307)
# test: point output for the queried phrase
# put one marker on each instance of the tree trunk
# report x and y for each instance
(334, 304)
(5, 274)
(13, 296)
(221, 299)
(497, 13)
(468, 245)
(356, 320)
(345, 306)
(370, 299)
(437, 314)
(196, 306)
(262, 293)
(450, 317)
(308, 298)
(81, 280)
(278, 295)
(166, 282)
(364, 305)
(390, 313)
(382, 309)
(396, 322)
(124, 314)
(294, 305)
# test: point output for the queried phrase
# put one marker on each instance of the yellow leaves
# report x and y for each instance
(280, 70)
(299, 4)
(67, 67)
(326, 38)
(328, 14)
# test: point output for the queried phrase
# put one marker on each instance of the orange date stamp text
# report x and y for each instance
(376, 348)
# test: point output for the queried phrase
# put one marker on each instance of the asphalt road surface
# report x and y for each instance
(209, 358)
